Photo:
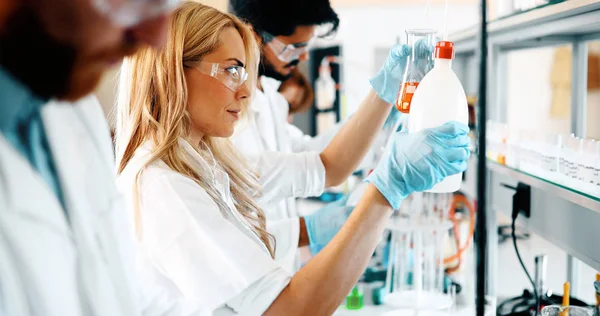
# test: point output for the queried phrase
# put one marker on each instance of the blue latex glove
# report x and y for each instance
(418, 161)
(386, 82)
(323, 224)
(392, 118)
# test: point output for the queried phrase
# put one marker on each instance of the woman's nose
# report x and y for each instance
(243, 92)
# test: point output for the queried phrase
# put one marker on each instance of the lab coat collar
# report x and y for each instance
(221, 182)
(261, 99)
(204, 162)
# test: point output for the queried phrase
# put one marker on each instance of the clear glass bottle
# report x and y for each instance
(513, 156)
(420, 63)
(573, 157)
(587, 167)
(563, 166)
(551, 155)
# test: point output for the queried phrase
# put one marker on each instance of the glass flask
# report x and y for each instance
(419, 63)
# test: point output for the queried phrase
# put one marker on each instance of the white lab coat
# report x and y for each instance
(268, 132)
(262, 141)
(51, 266)
(205, 253)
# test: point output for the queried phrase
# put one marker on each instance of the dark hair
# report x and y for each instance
(281, 17)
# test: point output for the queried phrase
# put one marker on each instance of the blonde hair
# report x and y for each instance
(152, 105)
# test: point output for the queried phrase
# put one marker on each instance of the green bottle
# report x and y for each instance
(355, 299)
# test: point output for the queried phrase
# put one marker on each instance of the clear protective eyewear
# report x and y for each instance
(286, 52)
(233, 77)
(127, 13)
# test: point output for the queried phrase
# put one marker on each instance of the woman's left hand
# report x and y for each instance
(325, 223)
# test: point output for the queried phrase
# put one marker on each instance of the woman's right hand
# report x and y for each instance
(418, 161)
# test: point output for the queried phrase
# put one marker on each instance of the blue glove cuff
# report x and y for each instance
(314, 246)
(385, 188)
(382, 88)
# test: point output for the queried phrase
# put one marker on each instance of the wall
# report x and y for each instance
(530, 92)
(365, 30)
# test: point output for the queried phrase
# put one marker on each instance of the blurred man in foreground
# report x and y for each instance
(64, 246)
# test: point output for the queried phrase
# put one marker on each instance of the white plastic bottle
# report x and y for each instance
(325, 88)
(440, 98)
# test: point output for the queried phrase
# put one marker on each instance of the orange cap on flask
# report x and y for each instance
(444, 50)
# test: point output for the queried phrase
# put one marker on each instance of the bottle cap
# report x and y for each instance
(444, 50)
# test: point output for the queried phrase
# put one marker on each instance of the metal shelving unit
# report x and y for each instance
(569, 194)
(563, 216)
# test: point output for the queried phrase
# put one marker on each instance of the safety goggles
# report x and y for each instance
(286, 52)
(127, 13)
(233, 77)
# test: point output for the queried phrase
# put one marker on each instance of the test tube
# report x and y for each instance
(552, 156)
(430, 262)
(503, 143)
(403, 259)
(513, 155)
(492, 135)
(586, 169)
(563, 167)
(525, 163)
(575, 154)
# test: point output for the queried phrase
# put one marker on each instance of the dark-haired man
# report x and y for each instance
(66, 246)
(286, 30)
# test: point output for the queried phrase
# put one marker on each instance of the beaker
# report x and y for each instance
(415, 279)
(418, 65)
(556, 310)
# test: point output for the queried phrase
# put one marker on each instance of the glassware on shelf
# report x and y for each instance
(497, 142)
(502, 143)
(589, 162)
(573, 154)
(560, 158)
(514, 151)
(528, 153)
(420, 63)
(550, 151)
(563, 166)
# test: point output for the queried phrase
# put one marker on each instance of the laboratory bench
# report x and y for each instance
(512, 280)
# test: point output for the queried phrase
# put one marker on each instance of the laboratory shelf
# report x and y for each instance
(569, 194)
(567, 218)
(549, 25)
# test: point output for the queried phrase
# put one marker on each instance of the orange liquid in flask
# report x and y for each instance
(405, 95)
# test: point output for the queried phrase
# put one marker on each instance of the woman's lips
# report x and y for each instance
(235, 113)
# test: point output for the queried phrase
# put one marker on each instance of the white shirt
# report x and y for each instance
(84, 265)
(264, 141)
(208, 255)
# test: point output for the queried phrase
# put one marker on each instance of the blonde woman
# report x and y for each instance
(198, 223)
